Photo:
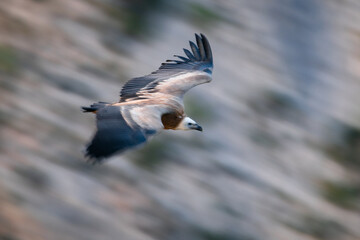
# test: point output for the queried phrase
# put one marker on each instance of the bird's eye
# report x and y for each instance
(189, 124)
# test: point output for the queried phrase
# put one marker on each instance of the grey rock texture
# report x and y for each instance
(279, 156)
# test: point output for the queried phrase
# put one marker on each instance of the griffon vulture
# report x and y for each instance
(150, 103)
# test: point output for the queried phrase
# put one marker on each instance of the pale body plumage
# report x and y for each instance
(151, 103)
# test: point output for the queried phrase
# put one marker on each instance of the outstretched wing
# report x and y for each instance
(174, 77)
(120, 128)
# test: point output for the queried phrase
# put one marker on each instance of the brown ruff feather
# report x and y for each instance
(171, 120)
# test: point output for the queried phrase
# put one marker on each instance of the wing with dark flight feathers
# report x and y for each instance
(174, 76)
(116, 132)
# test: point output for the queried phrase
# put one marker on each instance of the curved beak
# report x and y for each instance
(197, 127)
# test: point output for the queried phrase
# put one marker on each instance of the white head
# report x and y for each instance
(188, 124)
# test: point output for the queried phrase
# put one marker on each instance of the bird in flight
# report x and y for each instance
(150, 103)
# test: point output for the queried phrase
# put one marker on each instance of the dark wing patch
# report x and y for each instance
(200, 59)
(114, 135)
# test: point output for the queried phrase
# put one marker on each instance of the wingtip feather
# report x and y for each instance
(207, 48)
(196, 51)
(189, 54)
(200, 47)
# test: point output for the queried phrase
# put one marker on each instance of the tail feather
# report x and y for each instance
(94, 107)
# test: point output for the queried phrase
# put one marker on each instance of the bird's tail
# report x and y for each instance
(94, 107)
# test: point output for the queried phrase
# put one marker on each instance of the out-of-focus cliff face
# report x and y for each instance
(279, 156)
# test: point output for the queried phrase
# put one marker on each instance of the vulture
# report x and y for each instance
(150, 103)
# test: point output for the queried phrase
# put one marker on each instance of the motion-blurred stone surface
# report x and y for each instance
(279, 156)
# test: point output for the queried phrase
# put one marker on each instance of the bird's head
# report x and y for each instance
(188, 124)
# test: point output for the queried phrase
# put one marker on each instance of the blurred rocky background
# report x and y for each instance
(279, 157)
